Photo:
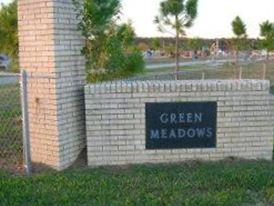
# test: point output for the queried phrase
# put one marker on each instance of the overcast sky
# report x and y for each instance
(214, 18)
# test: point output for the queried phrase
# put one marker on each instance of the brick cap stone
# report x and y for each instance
(177, 86)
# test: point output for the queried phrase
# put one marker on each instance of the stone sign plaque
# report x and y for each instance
(181, 125)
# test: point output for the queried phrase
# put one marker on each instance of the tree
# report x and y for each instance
(267, 32)
(176, 15)
(97, 20)
(267, 43)
(127, 34)
(109, 48)
(195, 44)
(155, 43)
(169, 48)
(143, 46)
(239, 30)
(9, 32)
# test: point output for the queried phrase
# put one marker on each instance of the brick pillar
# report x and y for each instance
(50, 51)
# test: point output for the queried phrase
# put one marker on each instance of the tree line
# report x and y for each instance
(191, 44)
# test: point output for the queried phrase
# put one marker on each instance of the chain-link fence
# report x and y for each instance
(14, 142)
(11, 141)
(213, 70)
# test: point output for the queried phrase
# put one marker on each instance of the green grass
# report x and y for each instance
(230, 182)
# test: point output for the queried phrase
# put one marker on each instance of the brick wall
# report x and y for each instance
(115, 119)
(50, 52)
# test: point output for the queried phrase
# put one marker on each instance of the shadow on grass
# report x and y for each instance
(78, 164)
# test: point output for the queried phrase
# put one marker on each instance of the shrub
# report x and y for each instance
(110, 51)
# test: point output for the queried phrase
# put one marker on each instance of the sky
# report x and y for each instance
(214, 19)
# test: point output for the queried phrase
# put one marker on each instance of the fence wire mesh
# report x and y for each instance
(212, 70)
(11, 141)
(14, 152)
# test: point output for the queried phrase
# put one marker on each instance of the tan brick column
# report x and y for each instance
(50, 51)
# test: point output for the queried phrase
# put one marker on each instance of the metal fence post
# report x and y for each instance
(240, 73)
(203, 76)
(25, 114)
(264, 71)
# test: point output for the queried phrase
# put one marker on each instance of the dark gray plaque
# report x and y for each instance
(181, 125)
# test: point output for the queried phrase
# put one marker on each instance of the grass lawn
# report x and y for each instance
(230, 182)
